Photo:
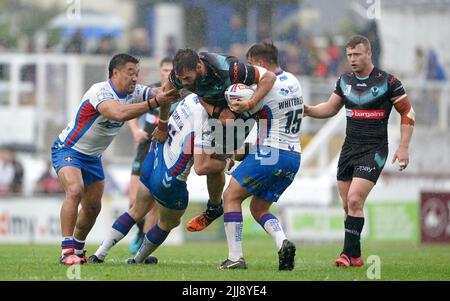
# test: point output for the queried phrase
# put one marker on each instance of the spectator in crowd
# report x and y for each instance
(6, 171)
(76, 43)
(48, 182)
(334, 56)
(106, 46)
(140, 43)
(11, 173)
(238, 34)
(170, 48)
(434, 70)
(420, 63)
(292, 59)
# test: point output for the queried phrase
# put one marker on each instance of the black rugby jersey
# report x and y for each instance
(222, 71)
(368, 104)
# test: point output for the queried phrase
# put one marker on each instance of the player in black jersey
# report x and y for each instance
(208, 75)
(368, 95)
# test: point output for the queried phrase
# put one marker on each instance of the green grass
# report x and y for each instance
(198, 261)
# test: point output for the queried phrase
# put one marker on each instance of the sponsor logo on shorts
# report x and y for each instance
(366, 169)
(366, 114)
(68, 159)
(179, 204)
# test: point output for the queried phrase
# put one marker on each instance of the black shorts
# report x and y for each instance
(362, 161)
(142, 150)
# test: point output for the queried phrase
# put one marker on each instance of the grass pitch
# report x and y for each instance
(199, 260)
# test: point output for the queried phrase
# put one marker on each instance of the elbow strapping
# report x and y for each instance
(403, 106)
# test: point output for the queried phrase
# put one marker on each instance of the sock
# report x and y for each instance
(214, 211)
(233, 230)
(152, 240)
(272, 226)
(353, 228)
(78, 246)
(120, 229)
(66, 244)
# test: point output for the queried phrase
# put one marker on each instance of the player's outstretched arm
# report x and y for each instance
(325, 109)
(114, 110)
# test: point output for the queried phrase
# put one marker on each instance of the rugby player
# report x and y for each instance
(208, 75)
(164, 175)
(368, 94)
(142, 137)
(266, 172)
(76, 153)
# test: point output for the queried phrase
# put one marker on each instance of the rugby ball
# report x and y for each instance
(241, 92)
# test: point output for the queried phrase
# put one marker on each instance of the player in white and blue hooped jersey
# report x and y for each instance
(266, 173)
(76, 153)
(164, 174)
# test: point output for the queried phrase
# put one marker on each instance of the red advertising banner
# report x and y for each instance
(435, 217)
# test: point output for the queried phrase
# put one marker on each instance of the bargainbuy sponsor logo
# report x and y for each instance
(366, 114)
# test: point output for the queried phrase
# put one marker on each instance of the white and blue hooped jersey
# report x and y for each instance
(283, 110)
(188, 127)
(89, 132)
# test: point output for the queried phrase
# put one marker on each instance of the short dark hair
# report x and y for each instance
(355, 40)
(166, 60)
(185, 59)
(119, 60)
(265, 50)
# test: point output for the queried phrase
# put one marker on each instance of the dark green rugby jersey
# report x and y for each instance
(368, 104)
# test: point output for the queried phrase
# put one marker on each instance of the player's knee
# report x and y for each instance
(75, 191)
(257, 211)
(169, 223)
(354, 202)
(228, 196)
(137, 213)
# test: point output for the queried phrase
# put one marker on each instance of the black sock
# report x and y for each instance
(140, 226)
(353, 228)
(214, 211)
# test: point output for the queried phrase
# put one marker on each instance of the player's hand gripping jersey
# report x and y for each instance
(89, 132)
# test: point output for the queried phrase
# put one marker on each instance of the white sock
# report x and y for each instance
(145, 250)
(113, 238)
(233, 231)
(273, 227)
